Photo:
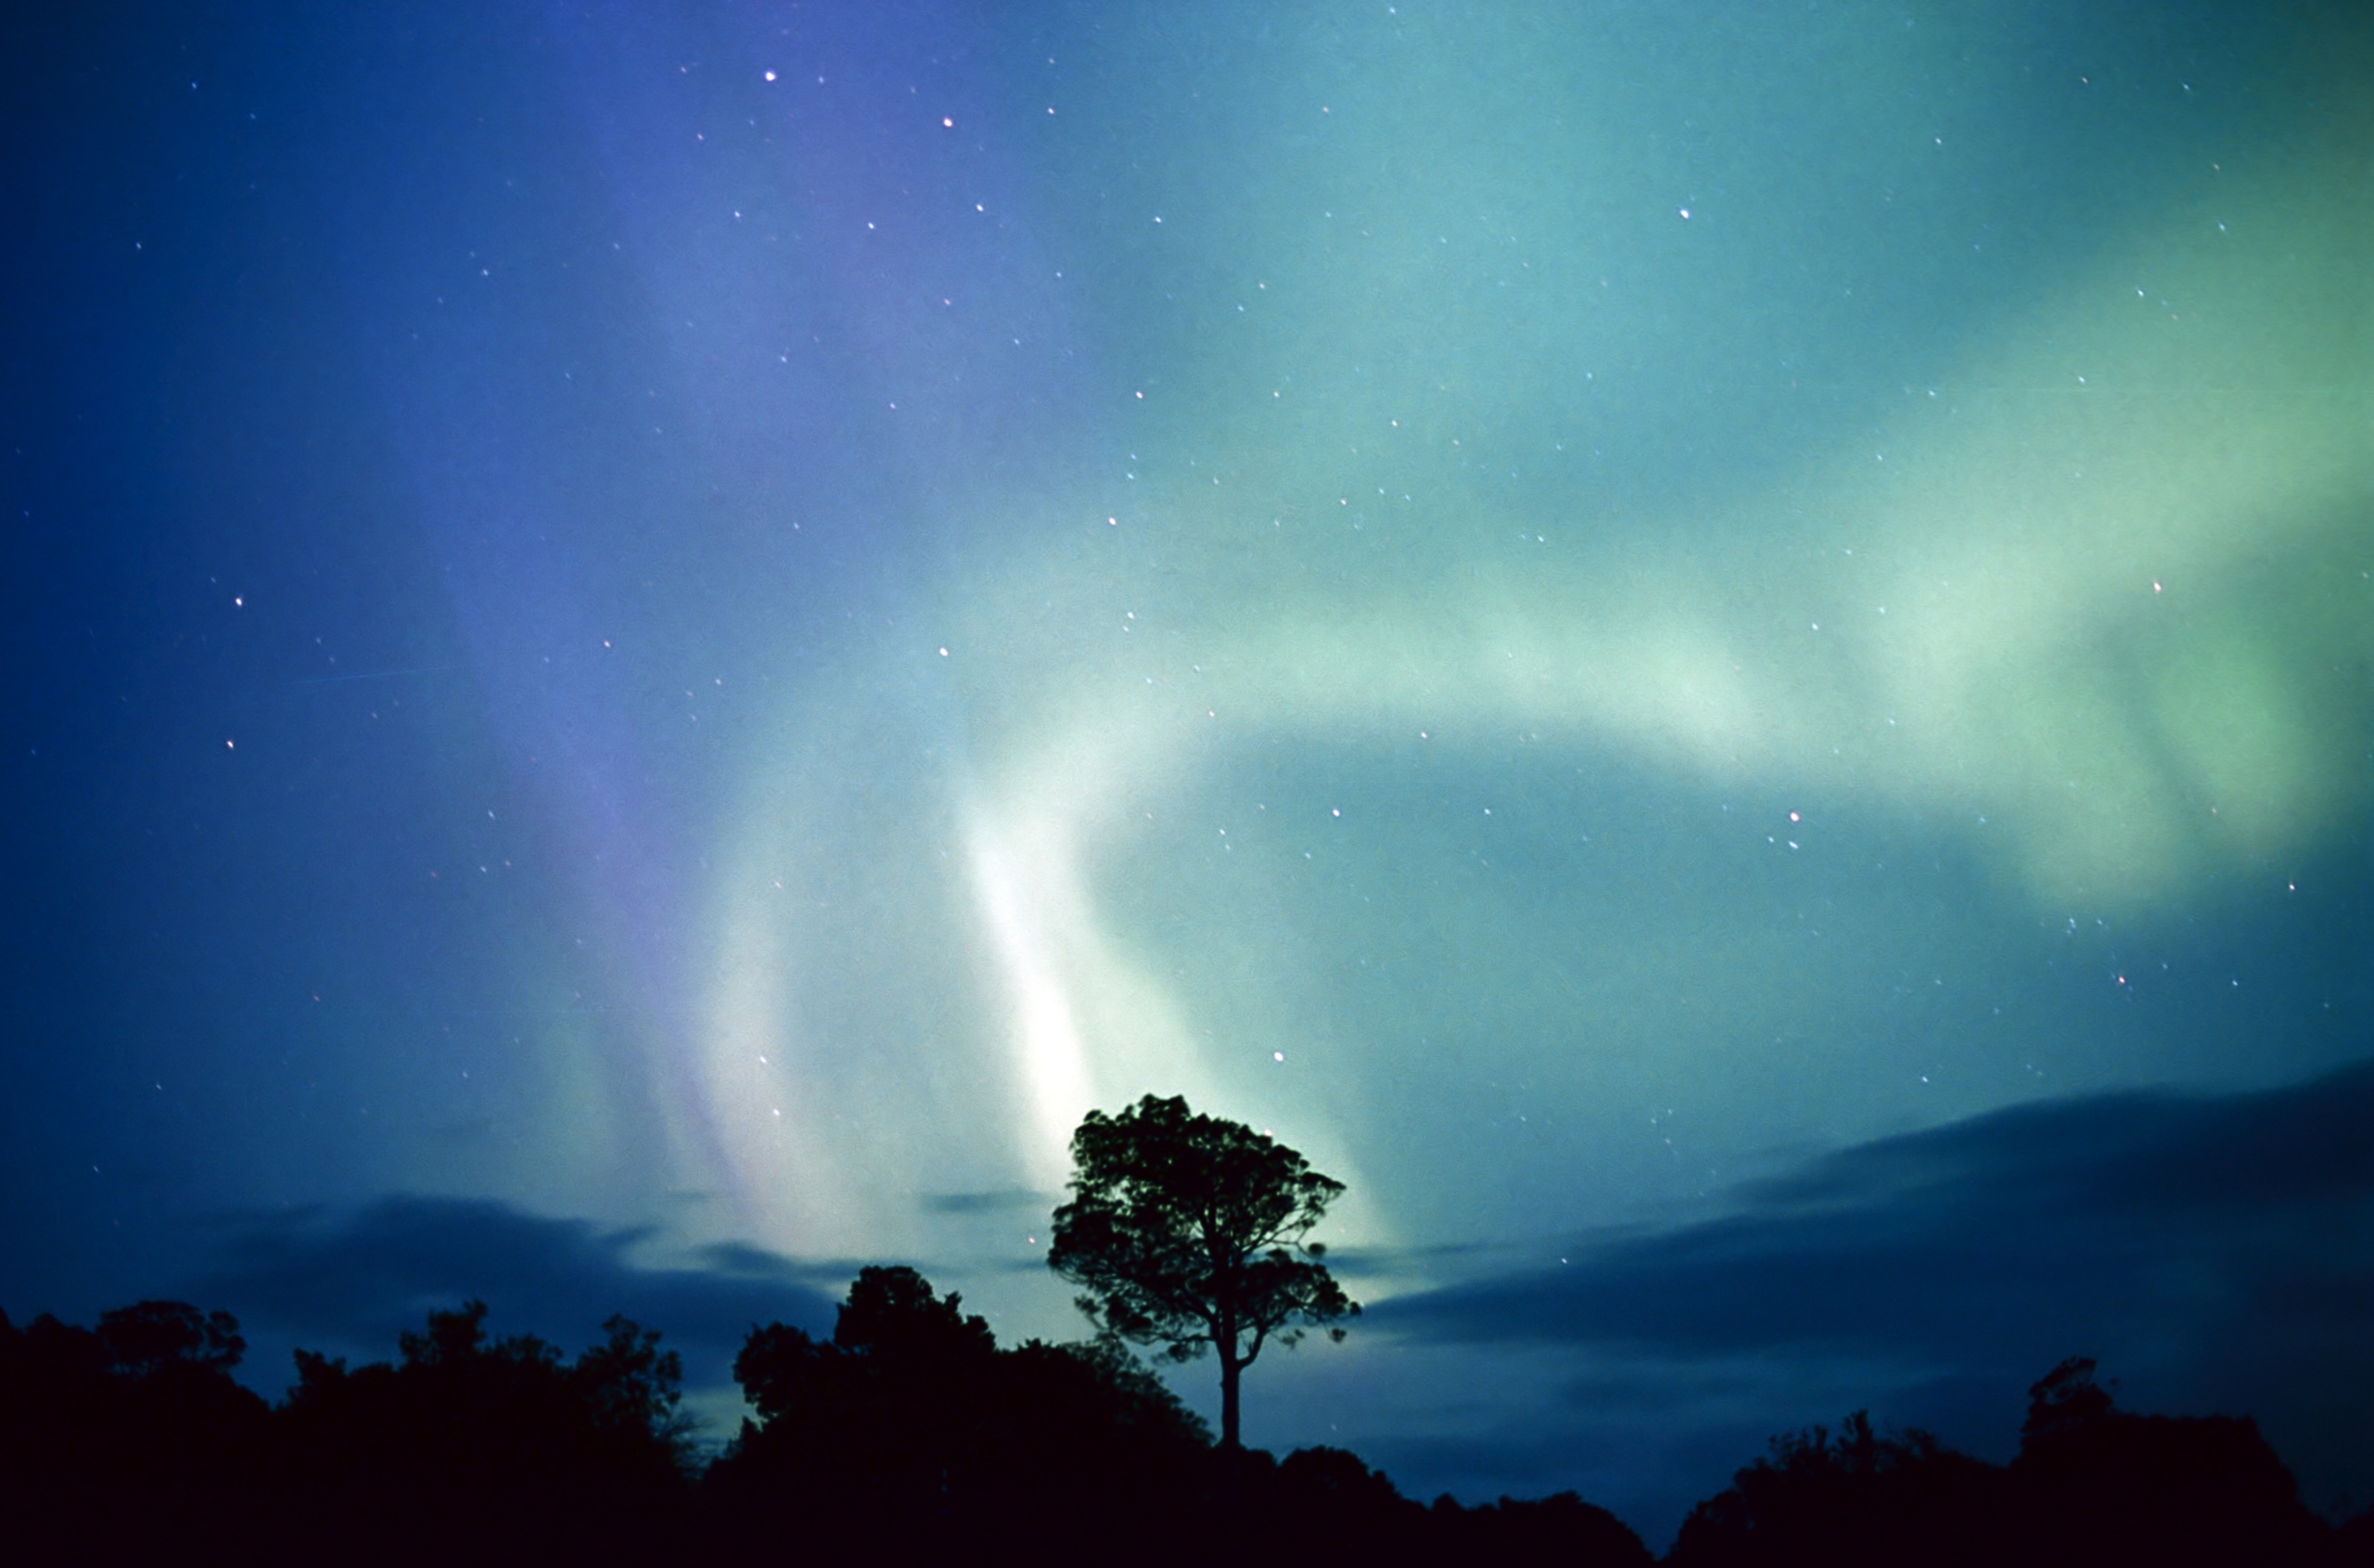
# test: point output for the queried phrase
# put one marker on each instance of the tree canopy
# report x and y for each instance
(1188, 1231)
(498, 1440)
(2092, 1485)
(910, 1432)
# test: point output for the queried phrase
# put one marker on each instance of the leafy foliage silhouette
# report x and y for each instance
(910, 1425)
(1858, 1497)
(118, 1439)
(498, 1441)
(1183, 1230)
(2091, 1485)
(2094, 1483)
(911, 1435)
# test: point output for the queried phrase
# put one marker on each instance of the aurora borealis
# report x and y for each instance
(1713, 652)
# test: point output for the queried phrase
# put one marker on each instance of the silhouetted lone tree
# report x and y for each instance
(1183, 1232)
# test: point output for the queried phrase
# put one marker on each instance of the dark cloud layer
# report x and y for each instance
(2216, 1251)
(2138, 1208)
(359, 1277)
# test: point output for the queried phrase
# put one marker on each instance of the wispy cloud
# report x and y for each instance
(986, 1202)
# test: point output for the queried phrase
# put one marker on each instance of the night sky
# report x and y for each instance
(1723, 655)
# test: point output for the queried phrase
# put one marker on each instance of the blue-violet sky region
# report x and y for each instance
(1719, 653)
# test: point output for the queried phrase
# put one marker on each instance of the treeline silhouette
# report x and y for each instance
(909, 1434)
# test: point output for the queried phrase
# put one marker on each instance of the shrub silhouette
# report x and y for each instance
(909, 1426)
(2091, 1485)
(499, 1444)
(2094, 1483)
(123, 1439)
(1559, 1528)
(1858, 1498)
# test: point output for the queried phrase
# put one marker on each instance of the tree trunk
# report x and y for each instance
(1229, 1368)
